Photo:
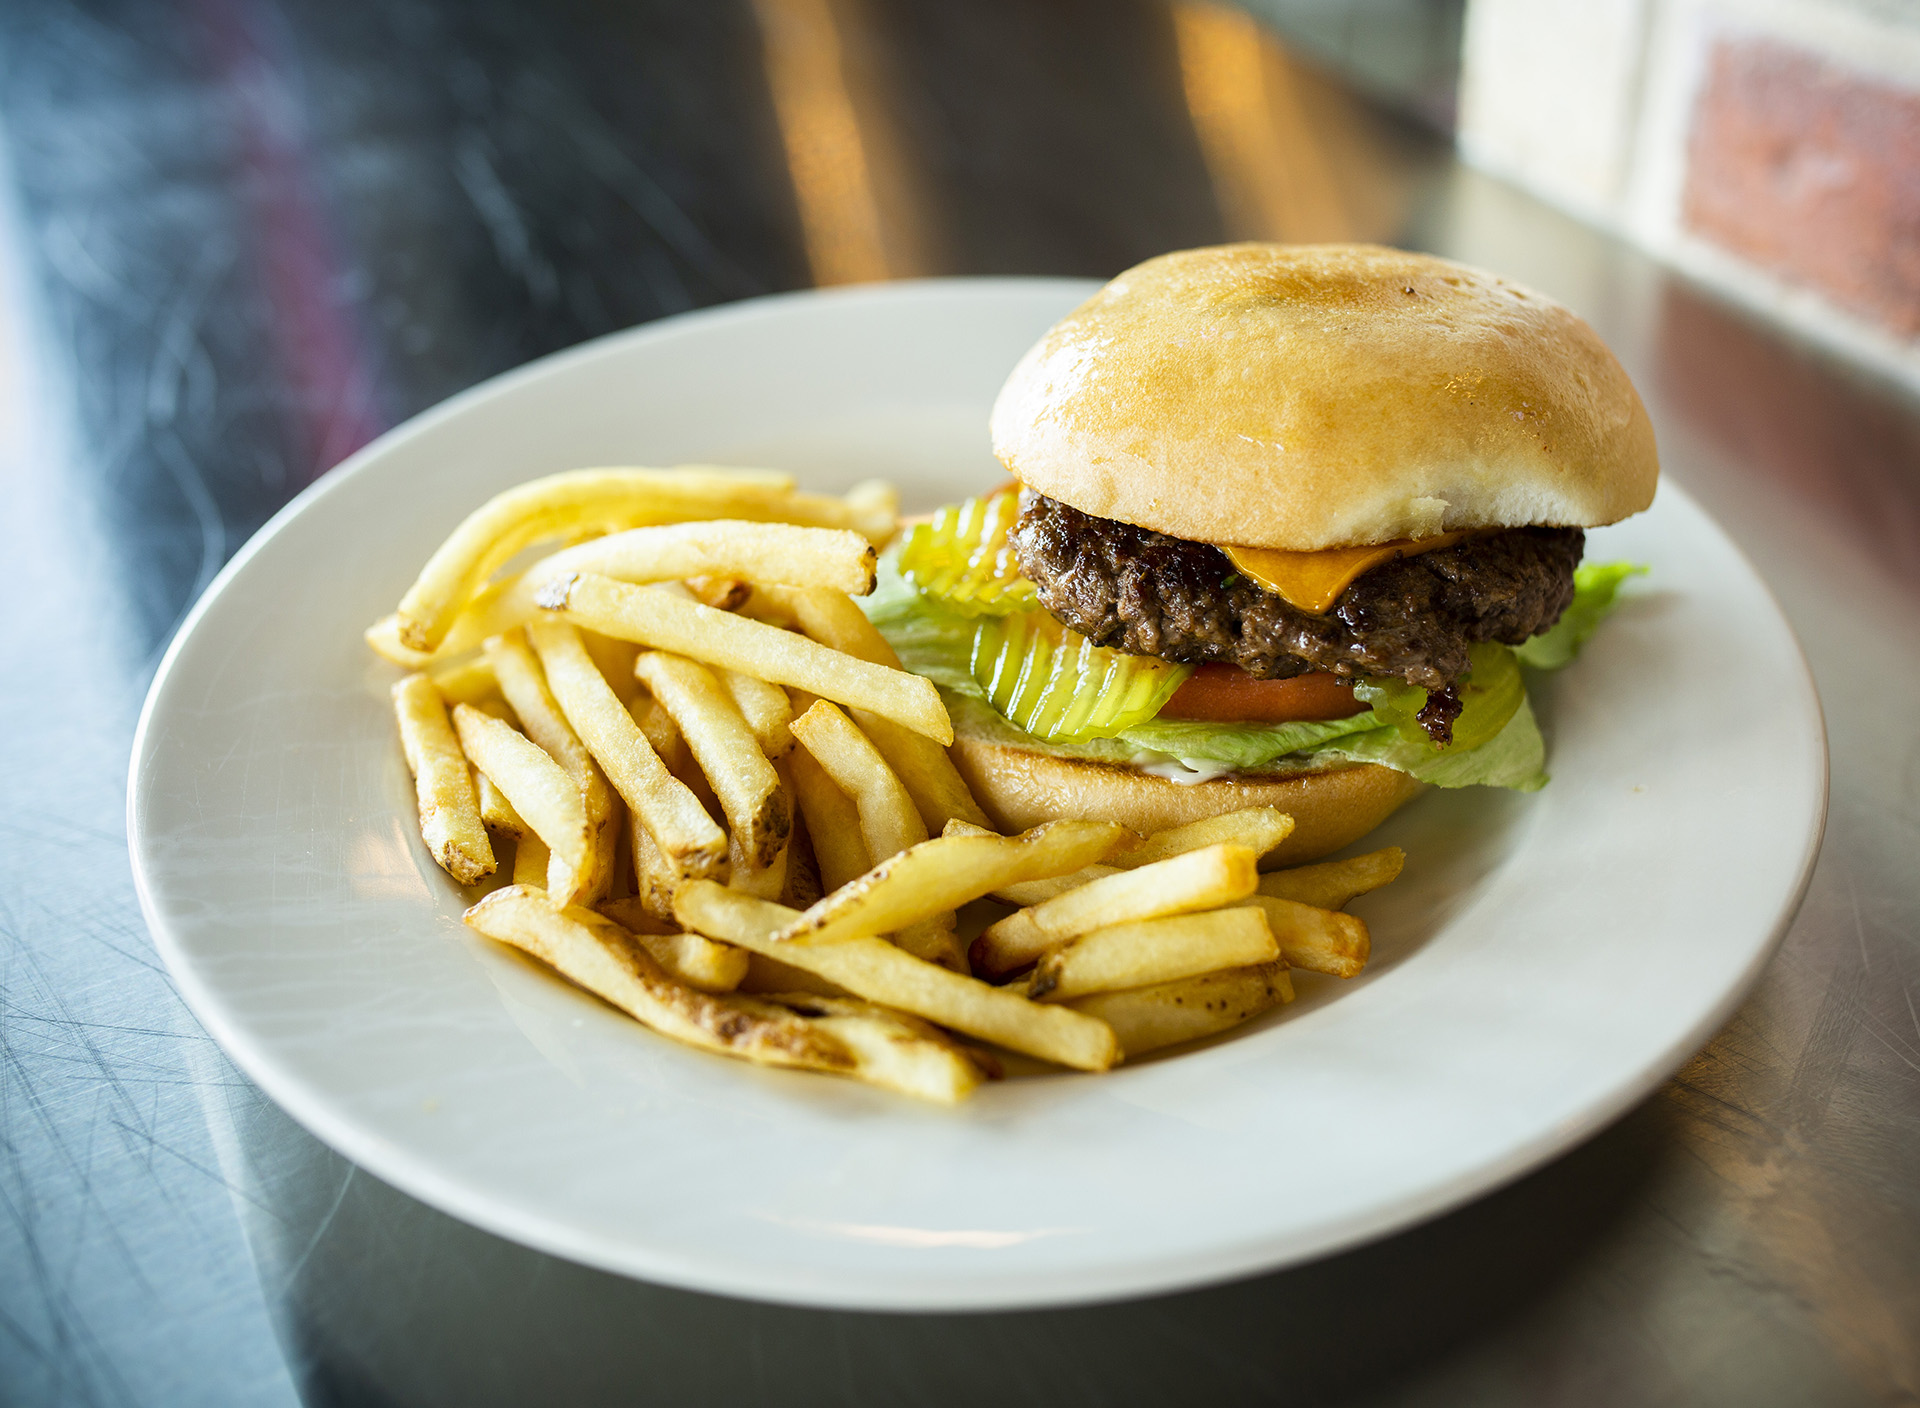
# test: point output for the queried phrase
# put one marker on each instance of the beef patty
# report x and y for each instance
(1151, 594)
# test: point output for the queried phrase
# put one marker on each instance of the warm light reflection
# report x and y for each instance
(855, 214)
(1270, 174)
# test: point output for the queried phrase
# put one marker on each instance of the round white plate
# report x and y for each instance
(1543, 963)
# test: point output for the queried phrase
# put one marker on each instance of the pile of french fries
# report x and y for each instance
(731, 814)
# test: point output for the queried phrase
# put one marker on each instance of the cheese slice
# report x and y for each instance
(1313, 581)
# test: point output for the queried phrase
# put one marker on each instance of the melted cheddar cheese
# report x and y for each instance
(1313, 581)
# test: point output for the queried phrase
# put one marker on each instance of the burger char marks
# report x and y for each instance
(1151, 594)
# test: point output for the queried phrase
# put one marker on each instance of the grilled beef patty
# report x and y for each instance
(1151, 594)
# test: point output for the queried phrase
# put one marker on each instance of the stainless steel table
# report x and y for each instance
(238, 237)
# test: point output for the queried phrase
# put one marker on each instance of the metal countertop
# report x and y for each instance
(239, 238)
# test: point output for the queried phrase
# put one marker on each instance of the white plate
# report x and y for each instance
(1544, 962)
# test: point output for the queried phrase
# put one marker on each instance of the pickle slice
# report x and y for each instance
(1059, 686)
(962, 558)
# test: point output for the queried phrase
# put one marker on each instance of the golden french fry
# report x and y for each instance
(450, 820)
(495, 810)
(721, 593)
(664, 553)
(548, 800)
(833, 821)
(669, 812)
(803, 889)
(692, 959)
(894, 1051)
(654, 877)
(614, 660)
(766, 882)
(531, 858)
(880, 972)
(1318, 940)
(662, 733)
(934, 940)
(1259, 829)
(384, 636)
(576, 501)
(923, 766)
(1148, 951)
(664, 622)
(765, 975)
(1331, 884)
(1196, 880)
(767, 710)
(873, 508)
(758, 810)
(938, 876)
(924, 769)
(889, 821)
(1187, 1009)
(606, 960)
(524, 681)
(469, 682)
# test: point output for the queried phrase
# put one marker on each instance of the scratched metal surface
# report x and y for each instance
(238, 237)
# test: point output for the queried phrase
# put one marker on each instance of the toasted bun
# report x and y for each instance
(1314, 396)
(1331, 807)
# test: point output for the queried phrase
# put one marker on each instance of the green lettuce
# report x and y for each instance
(1504, 746)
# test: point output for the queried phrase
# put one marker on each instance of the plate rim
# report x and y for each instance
(1144, 1275)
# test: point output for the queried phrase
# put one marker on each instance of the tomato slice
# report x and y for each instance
(1228, 694)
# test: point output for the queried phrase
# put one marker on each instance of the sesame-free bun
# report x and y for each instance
(1315, 396)
(1331, 807)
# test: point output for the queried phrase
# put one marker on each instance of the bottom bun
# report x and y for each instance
(1330, 807)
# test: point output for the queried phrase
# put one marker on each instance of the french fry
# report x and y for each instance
(469, 682)
(721, 593)
(450, 821)
(495, 810)
(894, 1051)
(560, 504)
(880, 972)
(1318, 940)
(767, 710)
(767, 975)
(530, 859)
(889, 821)
(663, 622)
(654, 878)
(1332, 884)
(1259, 829)
(524, 681)
(938, 876)
(719, 553)
(661, 732)
(1139, 954)
(1146, 1019)
(692, 959)
(541, 791)
(833, 821)
(384, 637)
(873, 508)
(669, 812)
(1197, 880)
(924, 769)
(802, 890)
(606, 960)
(758, 810)
(766, 882)
(614, 660)
(931, 779)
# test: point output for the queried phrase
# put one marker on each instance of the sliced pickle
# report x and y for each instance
(1059, 686)
(962, 557)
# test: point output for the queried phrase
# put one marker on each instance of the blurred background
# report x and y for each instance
(241, 238)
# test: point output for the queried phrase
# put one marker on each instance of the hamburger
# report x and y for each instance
(1286, 524)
